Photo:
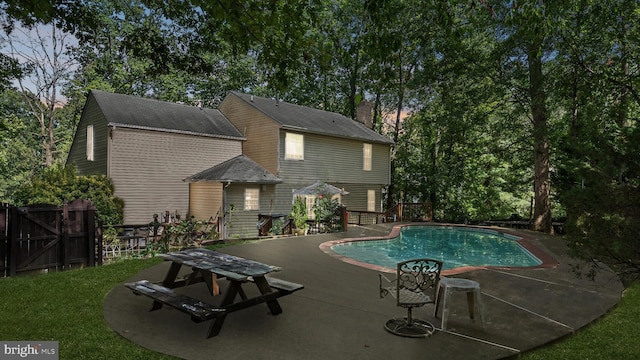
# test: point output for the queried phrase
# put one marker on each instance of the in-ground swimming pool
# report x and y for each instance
(456, 246)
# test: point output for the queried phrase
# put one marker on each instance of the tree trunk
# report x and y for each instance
(376, 112)
(396, 131)
(542, 187)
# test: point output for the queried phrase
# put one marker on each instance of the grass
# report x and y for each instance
(67, 307)
(614, 336)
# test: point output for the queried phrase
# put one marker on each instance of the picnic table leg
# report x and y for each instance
(168, 282)
(264, 287)
(232, 291)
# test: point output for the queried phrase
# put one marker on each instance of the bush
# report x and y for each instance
(299, 213)
(58, 184)
(187, 233)
(327, 213)
(600, 188)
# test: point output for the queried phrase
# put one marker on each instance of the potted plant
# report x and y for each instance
(299, 215)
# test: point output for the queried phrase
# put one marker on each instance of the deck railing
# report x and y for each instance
(399, 212)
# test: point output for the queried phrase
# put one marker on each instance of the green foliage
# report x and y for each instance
(601, 191)
(327, 213)
(9, 70)
(70, 305)
(299, 213)
(612, 337)
(276, 226)
(58, 184)
(186, 233)
(19, 150)
(479, 112)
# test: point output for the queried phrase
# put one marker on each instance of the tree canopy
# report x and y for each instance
(497, 107)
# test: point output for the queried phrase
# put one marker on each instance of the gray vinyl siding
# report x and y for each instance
(148, 167)
(332, 160)
(78, 152)
(281, 200)
(242, 223)
(357, 197)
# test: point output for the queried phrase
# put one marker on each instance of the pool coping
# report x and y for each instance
(524, 240)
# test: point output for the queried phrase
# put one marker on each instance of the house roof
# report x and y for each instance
(151, 114)
(320, 187)
(306, 119)
(239, 169)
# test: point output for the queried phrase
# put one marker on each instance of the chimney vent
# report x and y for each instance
(364, 114)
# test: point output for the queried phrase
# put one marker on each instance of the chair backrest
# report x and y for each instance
(418, 276)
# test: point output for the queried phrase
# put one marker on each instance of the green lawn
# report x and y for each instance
(615, 336)
(67, 307)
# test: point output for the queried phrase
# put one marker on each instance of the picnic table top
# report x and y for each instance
(218, 262)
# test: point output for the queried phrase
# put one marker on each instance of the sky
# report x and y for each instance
(37, 46)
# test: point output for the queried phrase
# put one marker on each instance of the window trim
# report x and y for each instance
(248, 205)
(371, 200)
(367, 156)
(291, 140)
(90, 143)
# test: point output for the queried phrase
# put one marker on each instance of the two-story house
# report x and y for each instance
(301, 146)
(245, 159)
(148, 147)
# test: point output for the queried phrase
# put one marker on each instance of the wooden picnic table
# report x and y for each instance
(210, 266)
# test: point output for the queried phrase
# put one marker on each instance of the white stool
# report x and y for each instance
(446, 286)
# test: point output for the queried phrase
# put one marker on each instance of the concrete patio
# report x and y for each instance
(339, 315)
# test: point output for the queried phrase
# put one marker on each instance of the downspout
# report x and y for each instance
(224, 209)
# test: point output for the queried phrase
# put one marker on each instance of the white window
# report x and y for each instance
(294, 146)
(90, 142)
(252, 199)
(371, 200)
(366, 157)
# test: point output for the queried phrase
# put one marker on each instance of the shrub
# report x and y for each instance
(58, 184)
(299, 213)
(327, 212)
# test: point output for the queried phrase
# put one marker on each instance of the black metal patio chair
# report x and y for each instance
(414, 286)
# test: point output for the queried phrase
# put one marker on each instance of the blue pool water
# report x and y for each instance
(455, 246)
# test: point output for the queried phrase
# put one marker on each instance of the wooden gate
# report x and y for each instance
(47, 238)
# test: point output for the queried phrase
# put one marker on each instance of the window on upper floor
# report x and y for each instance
(252, 199)
(294, 146)
(367, 152)
(90, 143)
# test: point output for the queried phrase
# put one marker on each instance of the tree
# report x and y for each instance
(42, 56)
(599, 172)
(9, 70)
(18, 153)
(526, 39)
(58, 184)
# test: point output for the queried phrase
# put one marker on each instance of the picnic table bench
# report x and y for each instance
(199, 310)
(210, 266)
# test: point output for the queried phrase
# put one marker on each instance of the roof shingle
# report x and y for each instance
(239, 169)
(306, 119)
(150, 114)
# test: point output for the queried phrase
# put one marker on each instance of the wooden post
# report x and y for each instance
(64, 227)
(12, 250)
(344, 218)
(100, 239)
(90, 230)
